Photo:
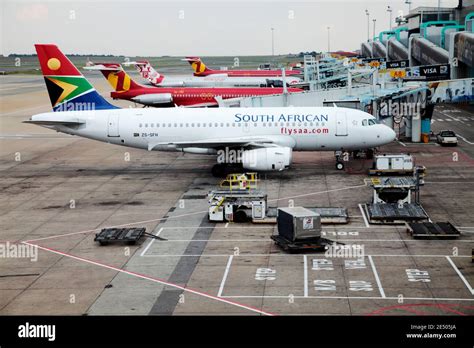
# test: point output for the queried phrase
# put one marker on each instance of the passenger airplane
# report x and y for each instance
(127, 89)
(200, 69)
(148, 73)
(260, 139)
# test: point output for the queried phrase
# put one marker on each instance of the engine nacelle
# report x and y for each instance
(267, 159)
(153, 99)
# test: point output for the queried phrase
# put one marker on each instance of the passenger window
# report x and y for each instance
(146, 125)
(140, 125)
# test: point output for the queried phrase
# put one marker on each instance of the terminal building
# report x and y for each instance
(398, 77)
(430, 36)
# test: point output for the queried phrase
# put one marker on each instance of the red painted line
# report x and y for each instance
(157, 280)
(449, 309)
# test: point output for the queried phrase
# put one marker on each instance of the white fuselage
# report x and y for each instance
(300, 128)
(223, 81)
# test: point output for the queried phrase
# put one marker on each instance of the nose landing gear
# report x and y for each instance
(339, 159)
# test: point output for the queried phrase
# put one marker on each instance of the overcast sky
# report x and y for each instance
(178, 28)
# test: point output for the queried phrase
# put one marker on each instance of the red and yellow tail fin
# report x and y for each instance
(116, 76)
(198, 66)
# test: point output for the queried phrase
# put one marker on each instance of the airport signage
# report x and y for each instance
(428, 73)
(464, 48)
(398, 64)
(377, 63)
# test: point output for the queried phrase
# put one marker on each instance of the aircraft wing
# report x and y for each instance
(244, 142)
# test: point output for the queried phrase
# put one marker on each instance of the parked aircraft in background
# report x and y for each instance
(260, 139)
(127, 89)
(200, 69)
(148, 73)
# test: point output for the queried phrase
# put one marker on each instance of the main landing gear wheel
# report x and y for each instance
(339, 165)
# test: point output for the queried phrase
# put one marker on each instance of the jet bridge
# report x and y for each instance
(406, 106)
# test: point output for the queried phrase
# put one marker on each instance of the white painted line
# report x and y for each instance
(285, 255)
(305, 265)
(224, 278)
(467, 141)
(363, 215)
(451, 118)
(355, 298)
(317, 193)
(341, 240)
(182, 215)
(460, 275)
(155, 280)
(122, 225)
(376, 275)
(226, 225)
(401, 143)
(151, 242)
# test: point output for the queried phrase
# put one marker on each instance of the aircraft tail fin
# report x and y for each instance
(116, 76)
(147, 72)
(68, 89)
(198, 66)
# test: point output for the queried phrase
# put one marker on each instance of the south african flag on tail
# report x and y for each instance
(68, 89)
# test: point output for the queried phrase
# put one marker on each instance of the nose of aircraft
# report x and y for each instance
(388, 134)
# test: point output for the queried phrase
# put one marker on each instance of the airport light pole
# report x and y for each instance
(368, 24)
(374, 20)
(329, 42)
(408, 2)
(273, 43)
(390, 10)
(439, 6)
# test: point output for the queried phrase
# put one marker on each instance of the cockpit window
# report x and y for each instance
(372, 122)
(364, 122)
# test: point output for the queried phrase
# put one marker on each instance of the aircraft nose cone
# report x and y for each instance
(386, 135)
(392, 135)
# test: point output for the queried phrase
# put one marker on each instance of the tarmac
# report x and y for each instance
(57, 191)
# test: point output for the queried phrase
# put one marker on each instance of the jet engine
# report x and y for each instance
(267, 159)
(153, 99)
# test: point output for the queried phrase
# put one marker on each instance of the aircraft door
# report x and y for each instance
(113, 126)
(341, 123)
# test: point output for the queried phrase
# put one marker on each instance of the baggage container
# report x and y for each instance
(298, 223)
